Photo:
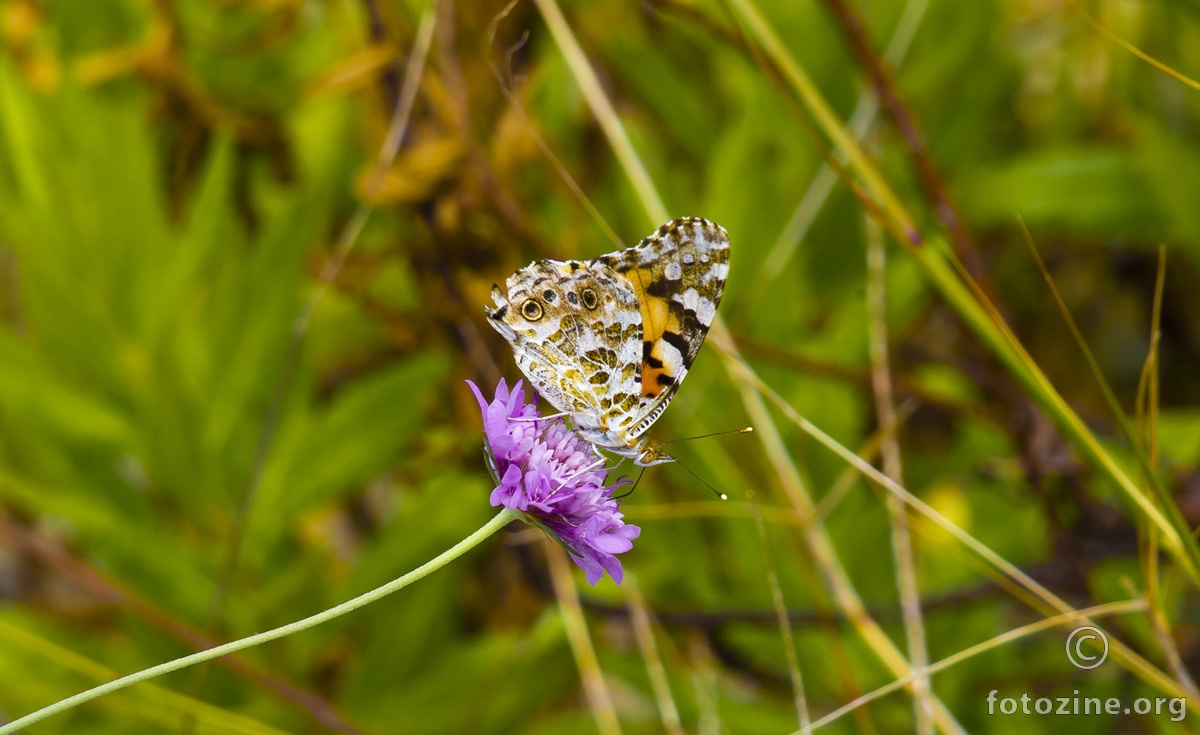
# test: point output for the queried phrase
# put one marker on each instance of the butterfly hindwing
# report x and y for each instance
(578, 337)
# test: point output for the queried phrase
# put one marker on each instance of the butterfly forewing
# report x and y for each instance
(678, 274)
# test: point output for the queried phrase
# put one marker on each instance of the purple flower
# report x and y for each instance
(545, 470)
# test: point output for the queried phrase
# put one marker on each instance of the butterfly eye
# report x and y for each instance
(532, 310)
(589, 298)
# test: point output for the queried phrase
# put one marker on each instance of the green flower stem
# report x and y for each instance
(502, 519)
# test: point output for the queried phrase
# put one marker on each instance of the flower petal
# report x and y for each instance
(612, 565)
(611, 543)
(552, 474)
(591, 567)
(483, 405)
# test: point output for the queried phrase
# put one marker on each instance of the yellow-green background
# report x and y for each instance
(175, 174)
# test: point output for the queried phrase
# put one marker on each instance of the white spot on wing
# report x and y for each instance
(704, 307)
(672, 359)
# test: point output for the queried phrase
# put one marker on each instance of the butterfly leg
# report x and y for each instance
(589, 468)
(540, 418)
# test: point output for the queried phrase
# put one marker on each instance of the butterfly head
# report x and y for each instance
(651, 454)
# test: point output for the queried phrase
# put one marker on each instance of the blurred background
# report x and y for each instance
(245, 247)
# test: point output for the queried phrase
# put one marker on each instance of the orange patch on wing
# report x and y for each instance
(655, 311)
(650, 385)
(657, 374)
(657, 319)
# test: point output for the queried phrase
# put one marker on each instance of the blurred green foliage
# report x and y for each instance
(175, 461)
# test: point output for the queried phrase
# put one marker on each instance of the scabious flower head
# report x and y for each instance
(556, 478)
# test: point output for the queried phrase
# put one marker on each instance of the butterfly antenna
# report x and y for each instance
(746, 430)
(635, 484)
(716, 492)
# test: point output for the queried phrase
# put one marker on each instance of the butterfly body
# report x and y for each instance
(609, 340)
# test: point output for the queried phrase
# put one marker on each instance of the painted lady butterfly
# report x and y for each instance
(609, 340)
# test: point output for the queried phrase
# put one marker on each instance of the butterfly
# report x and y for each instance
(609, 340)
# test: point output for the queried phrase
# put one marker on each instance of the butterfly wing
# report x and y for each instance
(576, 334)
(610, 340)
(678, 276)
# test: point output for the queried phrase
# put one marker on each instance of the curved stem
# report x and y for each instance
(499, 521)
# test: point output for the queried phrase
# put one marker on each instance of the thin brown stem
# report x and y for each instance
(930, 177)
(594, 687)
(773, 74)
(885, 411)
(1147, 422)
(643, 630)
(781, 615)
(508, 87)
